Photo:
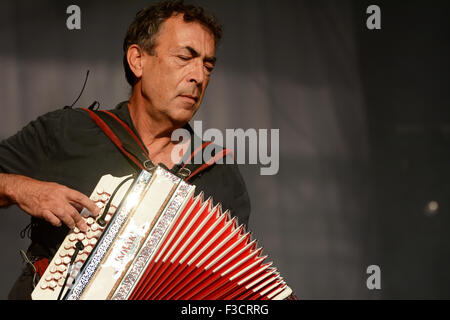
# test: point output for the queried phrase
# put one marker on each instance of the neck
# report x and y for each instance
(155, 130)
(150, 126)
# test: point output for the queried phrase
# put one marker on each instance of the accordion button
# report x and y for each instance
(104, 197)
(66, 260)
(95, 235)
(58, 261)
(88, 249)
(53, 269)
(93, 241)
(100, 204)
(44, 285)
(48, 278)
(81, 236)
(52, 284)
(108, 218)
(76, 230)
(100, 190)
(85, 242)
(91, 234)
(68, 245)
(90, 221)
(94, 227)
(61, 268)
(61, 282)
(57, 276)
(72, 237)
(82, 257)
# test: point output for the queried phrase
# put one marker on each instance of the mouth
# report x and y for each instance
(193, 99)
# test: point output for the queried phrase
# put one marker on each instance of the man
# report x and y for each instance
(50, 166)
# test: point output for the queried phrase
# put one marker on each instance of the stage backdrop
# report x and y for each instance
(362, 116)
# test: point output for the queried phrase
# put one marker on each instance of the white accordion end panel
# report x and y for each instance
(52, 281)
(158, 241)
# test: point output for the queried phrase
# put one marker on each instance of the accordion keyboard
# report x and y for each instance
(53, 279)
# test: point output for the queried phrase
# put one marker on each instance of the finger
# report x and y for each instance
(77, 206)
(50, 217)
(79, 221)
(84, 201)
(65, 216)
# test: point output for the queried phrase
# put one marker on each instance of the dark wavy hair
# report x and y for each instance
(147, 22)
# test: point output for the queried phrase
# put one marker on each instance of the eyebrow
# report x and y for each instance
(195, 54)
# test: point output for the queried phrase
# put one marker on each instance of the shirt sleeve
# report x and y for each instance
(27, 151)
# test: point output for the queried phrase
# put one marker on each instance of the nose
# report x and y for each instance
(197, 74)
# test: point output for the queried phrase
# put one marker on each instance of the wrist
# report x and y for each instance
(11, 187)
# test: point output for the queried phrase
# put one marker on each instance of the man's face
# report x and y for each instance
(175, 77)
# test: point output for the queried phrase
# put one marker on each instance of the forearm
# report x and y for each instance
(46, 200)
(8, 188)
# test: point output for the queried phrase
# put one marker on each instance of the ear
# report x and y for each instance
(134, 58)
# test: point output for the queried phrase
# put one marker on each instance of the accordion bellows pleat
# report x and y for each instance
(163, 243)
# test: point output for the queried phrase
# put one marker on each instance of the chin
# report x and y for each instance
(183, 114)
(181, 118)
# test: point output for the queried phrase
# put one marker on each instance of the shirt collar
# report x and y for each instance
(122, 111)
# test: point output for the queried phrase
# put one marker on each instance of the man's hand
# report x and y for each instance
(53, 202)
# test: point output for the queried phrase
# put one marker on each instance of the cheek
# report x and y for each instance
(155, 85)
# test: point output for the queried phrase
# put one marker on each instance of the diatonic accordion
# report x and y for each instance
(155, 239)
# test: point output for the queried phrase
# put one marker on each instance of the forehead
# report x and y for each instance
(175, 33)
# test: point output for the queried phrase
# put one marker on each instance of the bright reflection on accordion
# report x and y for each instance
(156, 240)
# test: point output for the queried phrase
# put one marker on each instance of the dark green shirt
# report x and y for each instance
(67, 147)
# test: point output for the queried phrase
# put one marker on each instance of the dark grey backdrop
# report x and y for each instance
(363, 118)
